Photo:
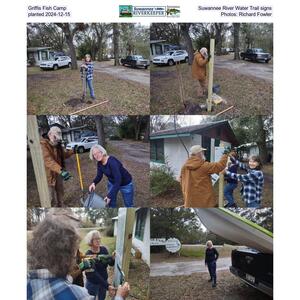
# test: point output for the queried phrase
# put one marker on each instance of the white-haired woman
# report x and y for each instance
(119, 179)
(211, 256)
(96, 282)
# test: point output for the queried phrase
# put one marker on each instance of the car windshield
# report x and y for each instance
(139, 57)
(259, 50)
(169, 53)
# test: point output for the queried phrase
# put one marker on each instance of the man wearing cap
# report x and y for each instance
(54, 160)
(201, 58)
(195, 178)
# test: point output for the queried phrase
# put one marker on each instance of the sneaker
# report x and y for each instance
(214, 285)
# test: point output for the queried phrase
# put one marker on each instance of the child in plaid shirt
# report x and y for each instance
(88, 67)
(252, 182)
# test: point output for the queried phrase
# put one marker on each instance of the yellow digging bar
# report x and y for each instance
(79, 171)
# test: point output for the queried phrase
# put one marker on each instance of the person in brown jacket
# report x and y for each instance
(54, 159)
(201, 58)
(195, 178)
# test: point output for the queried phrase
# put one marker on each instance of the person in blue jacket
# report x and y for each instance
(119, 179)
(232, 183)
(96, 278)
(211, 256)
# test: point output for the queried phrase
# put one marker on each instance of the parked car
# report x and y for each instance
(256, 54)
(171, 57)
(57, 62)
(254, 268)
(135, 61)
(84, 144)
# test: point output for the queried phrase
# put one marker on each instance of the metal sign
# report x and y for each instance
(158, 242)
(173, 245)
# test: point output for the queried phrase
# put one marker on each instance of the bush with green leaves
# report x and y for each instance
(162, 181)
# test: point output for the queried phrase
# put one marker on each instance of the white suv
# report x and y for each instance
(84, 144)
(171, 57)
(57, 62)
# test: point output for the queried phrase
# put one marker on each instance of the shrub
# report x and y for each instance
(162, 181)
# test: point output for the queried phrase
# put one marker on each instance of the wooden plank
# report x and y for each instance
(84, 109)
(221, 190)
(126, 218)
(38, 161)
(210, 74)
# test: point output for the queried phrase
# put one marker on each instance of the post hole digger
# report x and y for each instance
(93, 200)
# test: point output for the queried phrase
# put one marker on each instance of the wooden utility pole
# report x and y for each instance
(38, 161)
(126, 218)
(210, 74)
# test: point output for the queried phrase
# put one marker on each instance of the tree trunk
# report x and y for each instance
(100, 130)
(261, 139)
(147, 131)
(69, 40)
(218, 27)
(185, 27)
(116, 37)
(236, 36)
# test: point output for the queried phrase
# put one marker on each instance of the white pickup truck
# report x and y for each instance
(171, 57)
(84, 144)
(57, 62)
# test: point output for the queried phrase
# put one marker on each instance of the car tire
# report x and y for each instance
(146, 67)
(171, 62)
(80, 149)
(186, 59)
(55, 67)
(243, 58)
(267, 61)
(69, 65)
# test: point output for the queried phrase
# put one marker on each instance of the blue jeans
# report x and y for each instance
(96, 290)
(253, 205)
(89, 83)
(228, 192)
(212, 269)
(127, 192)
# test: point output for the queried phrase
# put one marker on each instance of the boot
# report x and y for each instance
(210, 280)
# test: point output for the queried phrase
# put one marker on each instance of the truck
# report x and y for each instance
(256, 54)
(135, 61)
(252, 263)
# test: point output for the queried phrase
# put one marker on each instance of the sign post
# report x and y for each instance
(126, 217)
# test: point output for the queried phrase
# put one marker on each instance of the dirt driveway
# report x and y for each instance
(245, 67)
(186, 267)
(139, 75)
(138, 167)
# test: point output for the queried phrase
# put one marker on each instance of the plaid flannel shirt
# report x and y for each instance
(88, 72)
(42, 285)
(253, 183)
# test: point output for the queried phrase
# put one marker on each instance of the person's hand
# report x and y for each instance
(65, 175)
(112, 291)
(107, 200)
(92, 187)
(85, 264)
(123, 290)
(113, 255)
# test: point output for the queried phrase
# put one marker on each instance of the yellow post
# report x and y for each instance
(79, 171)
(210, 74)
(33, 140)
(221, 190)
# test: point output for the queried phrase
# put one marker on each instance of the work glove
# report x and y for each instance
(65, 175)
(104, 259)
(227, 150)
(85, 264)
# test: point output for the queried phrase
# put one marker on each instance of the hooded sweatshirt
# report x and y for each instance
(195, 180)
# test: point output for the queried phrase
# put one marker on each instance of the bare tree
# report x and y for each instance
(185, 28)
(236, 37)
(100, 129)
(116, 37)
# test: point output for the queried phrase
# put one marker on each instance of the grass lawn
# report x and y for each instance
(47, 92)
(248, 94)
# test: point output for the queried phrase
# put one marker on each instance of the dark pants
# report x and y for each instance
(212, 267)
(57, 193)
(96, 290)
(228, 192)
